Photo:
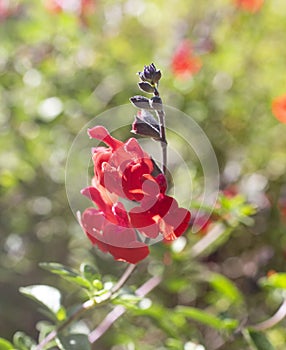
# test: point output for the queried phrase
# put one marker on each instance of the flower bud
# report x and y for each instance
(150, 74)
(156, 103)
(146, 87)
(140, 102)
(146, 125)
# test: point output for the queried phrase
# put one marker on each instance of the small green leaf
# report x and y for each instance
(174, 344)
(47, 296)
(74, 342)
(89, 272)
(224, 286)
(23, 341)
(207, 319)
(258, 339)
(44, 328)
(130, 301)
(6, 345)
(67, 273)
(276, 280)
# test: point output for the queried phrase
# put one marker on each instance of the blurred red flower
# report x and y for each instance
(250, 5)
(124, 170)
(279, 108)
(8, 9)
(184, 62)
(80, 7)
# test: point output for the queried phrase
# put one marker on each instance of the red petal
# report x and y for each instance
(131, 255)
(100, 133)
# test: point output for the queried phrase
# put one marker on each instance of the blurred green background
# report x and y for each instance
(59, 68)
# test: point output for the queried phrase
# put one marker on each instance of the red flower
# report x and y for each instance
(279, 108)
(125, 170)
(250, 5)
(184, 63)
(7, 9)
(109, 228)
(80, 7)
(122, 167)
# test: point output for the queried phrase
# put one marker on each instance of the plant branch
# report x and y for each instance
(89, 304)
(119, 310)
(279, 315)
(163, 141)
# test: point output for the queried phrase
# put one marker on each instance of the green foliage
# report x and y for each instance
(79, 66)
(73, 342)
(274, 281)
(258, 340)
(5, 344)
(226, 287)
(48, 297)
(88, 279)
(207, 319)
(23, 341)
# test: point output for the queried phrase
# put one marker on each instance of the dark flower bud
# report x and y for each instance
(146, 125)
(156, 103)
(140, 102)
(146, 87)
(150, 74)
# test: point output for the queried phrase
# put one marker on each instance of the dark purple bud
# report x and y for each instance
(150, 74)
(146, 87)
(156, 103)
(140, 102)
(146, 125)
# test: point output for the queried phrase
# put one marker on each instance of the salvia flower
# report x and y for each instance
(123, 171)
(249, 5)
(279, 108)
(184, 62)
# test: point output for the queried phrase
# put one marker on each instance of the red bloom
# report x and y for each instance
(184, 62)
(250, 5)
(279, 108)
(7, 9)
(125, 170)
(80, 7)
(122, 167)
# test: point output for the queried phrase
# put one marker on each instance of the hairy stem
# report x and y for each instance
(161, 117)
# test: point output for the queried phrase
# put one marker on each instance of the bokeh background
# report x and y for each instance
(64, 62)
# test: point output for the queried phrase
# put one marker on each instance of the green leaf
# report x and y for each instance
(224, 286)
(46, 296)
(23, 341)
(67, 273)
(207, 319)
(276, 280)
(258, 340)
(130, 301)
(6, 345)
(174, 344)
(89, 272)
(44, 328)
(74, 342)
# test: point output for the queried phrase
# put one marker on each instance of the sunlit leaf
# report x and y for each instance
(276, 280)
(47, 296)
(74, 342)
(67, 273)
(5, 344)
(207, 319)
(226, 287)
